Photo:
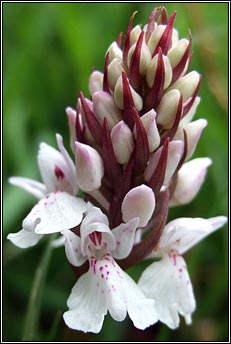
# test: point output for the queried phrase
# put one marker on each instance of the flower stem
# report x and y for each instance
(34, 304)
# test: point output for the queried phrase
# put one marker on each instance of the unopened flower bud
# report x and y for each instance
(175, 151)
(190, 114)
(95, 82)
(155, 37)
(187, 84)
(114, 52)
(104, 107)
(122, 141)
(176, 53)
(134, 34)
(175, 37)
(145, 57)
(139, 202)
(167, 108)
(151, 71)
(149, 122)
(193, 131)
(190, 178)
(115, 70)
(71, 115)
(89, 167)
(87, 133)
(119, 99)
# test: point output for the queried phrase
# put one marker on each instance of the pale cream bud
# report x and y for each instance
(114, 52)
(190, 114)
(167, 108)
(104, 107)
(95, 82)
(155, 37)
(118, 96)
(134, 34)
(149, 122)
(145, 57)
(151, 71)
(115, 70)
(187, 84)
(176, 53)
(175, 37)
(122, 141)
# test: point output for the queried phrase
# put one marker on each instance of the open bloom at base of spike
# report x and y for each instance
(105, 287)
(57, 208)
(167, 281)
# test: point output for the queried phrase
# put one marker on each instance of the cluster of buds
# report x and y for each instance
(131, 141)
(132, 137)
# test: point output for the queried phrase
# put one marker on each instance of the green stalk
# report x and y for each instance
(34, 304)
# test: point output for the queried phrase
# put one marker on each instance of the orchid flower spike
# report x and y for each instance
(131, 141)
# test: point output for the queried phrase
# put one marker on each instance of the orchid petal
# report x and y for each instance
(184, 233)
(24, 239)
(106, 287)
(35, 188)
(55, 171)
(86, 310)
(96, 221)
(73, 249)
(54, 213)
(168, 283)
(141, 310)
(71, 169)
(125, 237)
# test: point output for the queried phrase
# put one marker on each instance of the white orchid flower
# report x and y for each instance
(167, 281)
(105, 287)
(58, 208)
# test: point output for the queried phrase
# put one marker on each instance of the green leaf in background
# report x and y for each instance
(34, 306)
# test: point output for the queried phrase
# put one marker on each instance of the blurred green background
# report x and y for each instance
(49, 50)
